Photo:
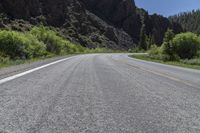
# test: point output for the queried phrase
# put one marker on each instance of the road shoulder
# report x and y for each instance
(12, 70)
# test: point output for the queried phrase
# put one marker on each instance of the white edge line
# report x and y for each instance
(164, 75)
(2, 81)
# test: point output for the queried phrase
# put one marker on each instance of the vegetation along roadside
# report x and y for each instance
(181, 50)
(37, 44)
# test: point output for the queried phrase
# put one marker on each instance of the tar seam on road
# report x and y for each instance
(2, 81)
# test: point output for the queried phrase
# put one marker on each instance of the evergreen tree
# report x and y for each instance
(188, 20)
(167, 45)
(150, 41)
(143, 37)
(169, 35)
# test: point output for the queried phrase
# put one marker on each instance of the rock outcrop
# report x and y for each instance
(119, 13)
(125, 15)
(93, 23)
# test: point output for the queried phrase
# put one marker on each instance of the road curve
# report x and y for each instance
(102, 93)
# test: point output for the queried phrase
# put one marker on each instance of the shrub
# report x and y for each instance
(167, 48)
(186, 45)
(18, 45)
(191, 61)
(3, 58)
(37, 48)
(70, 48)
(54, 43)
(154, 50)
(198, 53)
(137, 50)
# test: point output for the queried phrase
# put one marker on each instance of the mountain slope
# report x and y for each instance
(157, 25)
(107, 23)
(124, 14)
(120, 13)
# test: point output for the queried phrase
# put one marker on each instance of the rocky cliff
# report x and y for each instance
(93, 23)
(125, 15)
(120, 13)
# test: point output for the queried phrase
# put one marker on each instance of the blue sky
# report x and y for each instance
(168, 7)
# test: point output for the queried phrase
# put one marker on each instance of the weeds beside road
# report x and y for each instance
(193, 63)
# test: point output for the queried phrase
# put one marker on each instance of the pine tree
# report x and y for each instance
(150, 41)
(167, 45)
(143, 38)
(169, 35)
(188, 20)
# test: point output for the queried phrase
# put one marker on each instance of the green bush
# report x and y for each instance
(18, 45)
(100, 50)
(37, 48)
(4, 58)
(71, 48)
(186, 45)
(38, 42)
(167, 48)
(54, 43)
(198, 54)
(191, 61)
(154, 50)
(137, 50)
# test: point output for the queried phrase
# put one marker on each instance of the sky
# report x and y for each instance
(168, 7)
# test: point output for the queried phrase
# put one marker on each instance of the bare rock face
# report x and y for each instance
(120, 13)
(93, 23)
(124, 10)
(72, 17)
(21, 8)
(113, 10)
(53, 10)
(124, 15)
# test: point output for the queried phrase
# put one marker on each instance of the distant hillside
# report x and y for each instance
(125, 15)
(157, 25)
(190, 21)
(113, 24)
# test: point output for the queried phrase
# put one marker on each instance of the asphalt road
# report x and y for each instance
(102, 93)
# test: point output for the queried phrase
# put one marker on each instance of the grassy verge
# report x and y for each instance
(175, 63)
(8, 63)
(4, 62)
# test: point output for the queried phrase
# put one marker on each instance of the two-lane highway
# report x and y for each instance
(101, 93)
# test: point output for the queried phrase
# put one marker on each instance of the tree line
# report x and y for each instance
(190, 21)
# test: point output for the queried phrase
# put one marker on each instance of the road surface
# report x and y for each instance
(101, 93)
